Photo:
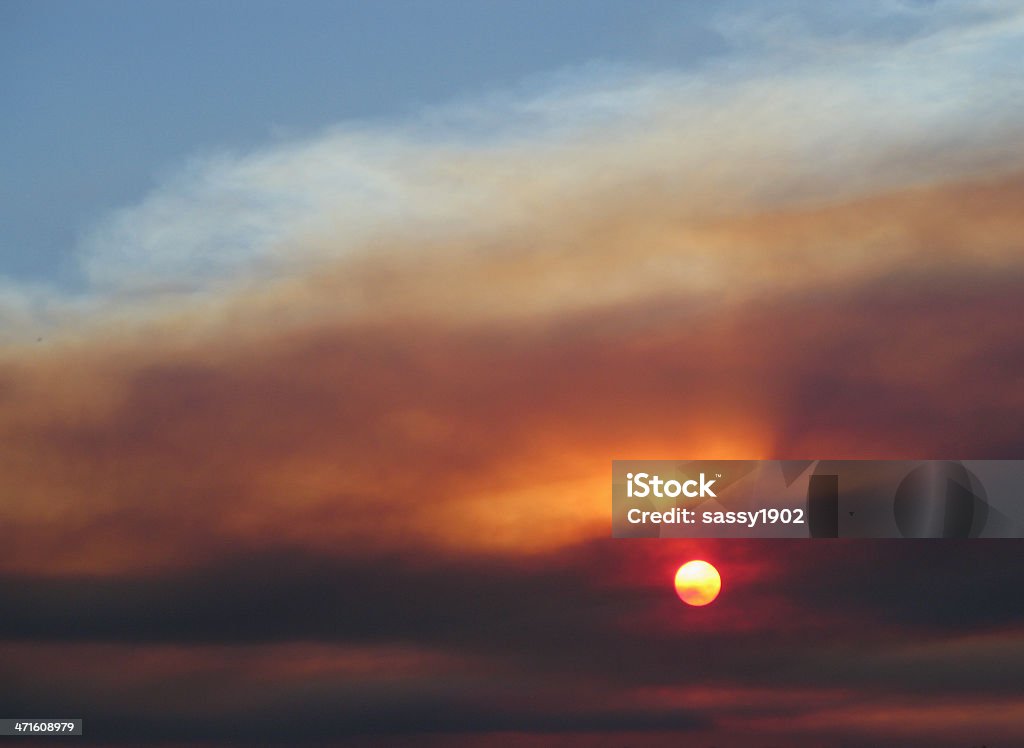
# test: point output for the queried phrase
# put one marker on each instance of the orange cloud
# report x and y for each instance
(473, 398)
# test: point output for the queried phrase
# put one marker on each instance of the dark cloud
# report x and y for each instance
(564, 642)
(567, 610)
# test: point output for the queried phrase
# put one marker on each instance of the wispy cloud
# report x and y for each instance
(937, 100)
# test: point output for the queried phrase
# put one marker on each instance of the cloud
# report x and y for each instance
(741, 133)
(799, 28)
(810, 640)
(447, 401)
(748, 132)
(353, 400)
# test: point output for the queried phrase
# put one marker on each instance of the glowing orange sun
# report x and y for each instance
(698, 583)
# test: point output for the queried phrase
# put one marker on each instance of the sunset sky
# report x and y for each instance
(322, 323)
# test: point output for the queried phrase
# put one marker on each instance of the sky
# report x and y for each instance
(321, 324)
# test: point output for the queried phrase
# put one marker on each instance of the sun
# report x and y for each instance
(698, 583)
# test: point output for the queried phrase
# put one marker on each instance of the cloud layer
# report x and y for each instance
(326, 439)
